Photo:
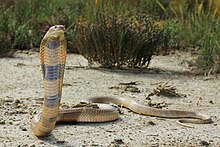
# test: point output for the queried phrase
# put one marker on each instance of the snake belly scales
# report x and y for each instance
(53, 59)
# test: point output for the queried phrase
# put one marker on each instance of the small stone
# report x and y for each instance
(211, 102)
(67, 84)
(204, 143)
(2, 122)
(110, 131)
(60, 141)
(132, 89)
(17, 101)
(118, 141)
(151, 123)
(23, 128)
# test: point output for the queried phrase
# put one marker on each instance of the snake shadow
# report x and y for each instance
(52, 140)
(140, 71)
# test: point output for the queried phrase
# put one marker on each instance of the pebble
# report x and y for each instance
(17, 101)
(151, 123)
(23, 128)
(2, 122)
(118, 141)
(60, 141)
(204, 143)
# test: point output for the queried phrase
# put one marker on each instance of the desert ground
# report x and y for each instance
(21, 97)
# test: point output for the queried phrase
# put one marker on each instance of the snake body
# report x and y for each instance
(53, 59)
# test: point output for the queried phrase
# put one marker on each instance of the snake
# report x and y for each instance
(53, 55)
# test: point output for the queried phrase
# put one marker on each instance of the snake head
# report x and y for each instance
(55, 32)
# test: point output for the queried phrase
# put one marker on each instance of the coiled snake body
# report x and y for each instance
(53, 59)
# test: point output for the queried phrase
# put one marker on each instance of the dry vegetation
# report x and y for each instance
(184, 24)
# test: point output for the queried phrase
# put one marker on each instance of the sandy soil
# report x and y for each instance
(22, 94)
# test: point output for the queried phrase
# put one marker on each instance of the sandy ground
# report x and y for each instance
(22, 94)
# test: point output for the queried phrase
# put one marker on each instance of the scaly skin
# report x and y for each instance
(53, 59)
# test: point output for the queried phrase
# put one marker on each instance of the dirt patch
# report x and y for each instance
(22, 95)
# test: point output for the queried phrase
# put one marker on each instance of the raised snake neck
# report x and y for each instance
(53, 59)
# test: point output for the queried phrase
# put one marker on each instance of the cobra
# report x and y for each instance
(96, 109)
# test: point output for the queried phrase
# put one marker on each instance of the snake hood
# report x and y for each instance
(55, 32)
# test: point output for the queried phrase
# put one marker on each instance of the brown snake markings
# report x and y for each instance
(53, 59)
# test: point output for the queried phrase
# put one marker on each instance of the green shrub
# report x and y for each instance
(116, 41)
(5, 32)
(156, 7)
(210, 46)
(171, 30)
(202, 31)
